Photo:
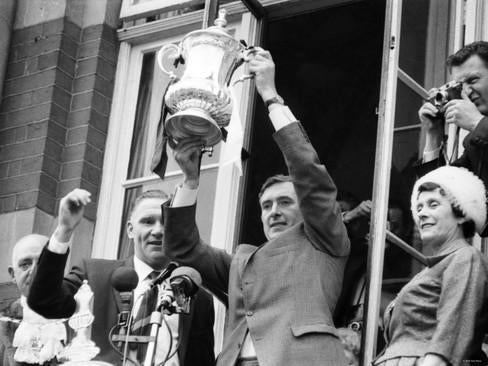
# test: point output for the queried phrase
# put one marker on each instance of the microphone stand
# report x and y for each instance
(155, 321)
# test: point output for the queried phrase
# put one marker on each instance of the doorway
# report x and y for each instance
(328, 70)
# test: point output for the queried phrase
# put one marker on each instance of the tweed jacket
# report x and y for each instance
(442, 310)
(51, 295)
(284, 291)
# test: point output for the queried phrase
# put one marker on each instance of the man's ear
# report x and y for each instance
(129, 228)
(11, 272)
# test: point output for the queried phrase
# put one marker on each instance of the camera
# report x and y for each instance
(441, 96)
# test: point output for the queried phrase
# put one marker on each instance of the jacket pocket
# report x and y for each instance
(300, 330)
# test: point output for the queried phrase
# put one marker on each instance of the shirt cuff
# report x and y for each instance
(280, 116)
(431, 155)
(57, 246)
(184, 197)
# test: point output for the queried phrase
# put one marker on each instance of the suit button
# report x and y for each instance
(249, 313)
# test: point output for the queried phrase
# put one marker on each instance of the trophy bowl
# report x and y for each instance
(200, 102)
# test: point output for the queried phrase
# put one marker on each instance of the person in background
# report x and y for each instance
(469, 66)
(439, 318)
(355, 216)
(26, 338)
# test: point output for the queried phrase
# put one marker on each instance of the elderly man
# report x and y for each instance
(280, 295)
(21, 345)
(469, 65)
(52, 296)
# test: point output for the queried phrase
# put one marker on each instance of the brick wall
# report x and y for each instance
(54, 113)
(53, 124)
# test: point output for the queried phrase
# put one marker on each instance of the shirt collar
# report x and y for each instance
(142, 269)
(447, 250)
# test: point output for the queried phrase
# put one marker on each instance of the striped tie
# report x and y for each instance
(141, 325)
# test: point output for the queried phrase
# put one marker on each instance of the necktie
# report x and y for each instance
(141, 325)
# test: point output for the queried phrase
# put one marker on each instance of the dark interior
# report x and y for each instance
(328, 70)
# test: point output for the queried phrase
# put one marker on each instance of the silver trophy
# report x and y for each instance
(200, 102)
(82, 349)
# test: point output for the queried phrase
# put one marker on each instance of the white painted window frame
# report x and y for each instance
(132, 9)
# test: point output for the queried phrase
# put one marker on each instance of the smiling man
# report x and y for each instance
(469, 66)
(279, 205)
(52, 296)
(281, 294)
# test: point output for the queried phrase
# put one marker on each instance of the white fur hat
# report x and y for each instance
(464, 190)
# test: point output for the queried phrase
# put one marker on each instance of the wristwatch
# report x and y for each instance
(276, 99)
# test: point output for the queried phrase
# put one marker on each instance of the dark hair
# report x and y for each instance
(275, 179)
(479, 48)
(153, 193)
(468, 227)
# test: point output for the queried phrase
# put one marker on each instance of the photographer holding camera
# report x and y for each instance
(469, 110)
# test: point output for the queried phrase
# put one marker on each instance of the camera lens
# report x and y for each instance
(441, 97)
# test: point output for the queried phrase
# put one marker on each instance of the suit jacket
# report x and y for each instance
(51, 295)
(474, 157)
(442, 309)
(7, 332)
(284, 291)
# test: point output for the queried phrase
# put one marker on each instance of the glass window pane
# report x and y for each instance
(125, 249)
(205, 206)
(405, 154)
(152, 87)
(407, 105)
(424, 40)
(138, 152)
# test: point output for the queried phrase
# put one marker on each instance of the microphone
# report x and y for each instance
(166, 298)
(164, 274)
(186, 280)
(124, 280)
(184, 283)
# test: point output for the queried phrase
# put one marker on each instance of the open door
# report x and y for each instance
(418, 37)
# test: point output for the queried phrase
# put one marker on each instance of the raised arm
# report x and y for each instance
(314, 187)
(50, 295)
(182, 240)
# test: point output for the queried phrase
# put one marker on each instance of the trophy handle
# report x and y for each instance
(244, 55)
(166, 50)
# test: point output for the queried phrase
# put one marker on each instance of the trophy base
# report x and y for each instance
(193, 122)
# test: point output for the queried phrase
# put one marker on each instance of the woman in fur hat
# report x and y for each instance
(440, 317)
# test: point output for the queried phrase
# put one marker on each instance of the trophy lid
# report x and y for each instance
(220, 23)
(218, 30)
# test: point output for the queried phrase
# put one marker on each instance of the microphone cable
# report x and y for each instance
(169, 354)
(124, 354)
(124, 357)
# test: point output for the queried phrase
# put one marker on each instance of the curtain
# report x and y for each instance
(138, 151)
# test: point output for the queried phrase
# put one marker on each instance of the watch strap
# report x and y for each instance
(277, 99)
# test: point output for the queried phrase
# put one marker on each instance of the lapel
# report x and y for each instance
(184, 325)
(129, 262)
(246, 252)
